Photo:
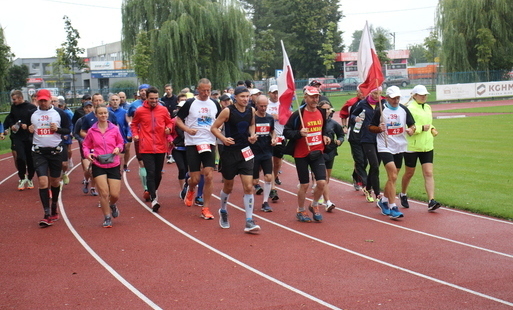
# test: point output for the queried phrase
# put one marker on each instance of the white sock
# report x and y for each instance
(267, 190)
(224, 200)
(248, 205)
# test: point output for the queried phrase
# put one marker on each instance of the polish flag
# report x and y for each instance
(286, 89)
(369, 67)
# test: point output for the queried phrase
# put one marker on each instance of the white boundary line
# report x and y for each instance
(103, 263)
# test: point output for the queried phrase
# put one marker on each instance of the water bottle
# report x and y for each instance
(358, 125)
(17, 126)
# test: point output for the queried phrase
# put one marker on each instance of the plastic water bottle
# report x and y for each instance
(17, 126)
(358, 125)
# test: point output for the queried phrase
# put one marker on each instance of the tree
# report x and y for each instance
(141, 58)
(379, 34)
(302, 28)
(70, 58)
(17, 77)
(417, 54)
(327, 53)
(5, 60)
(189, 39)
(432, 45)
(380, 42)
(458, 23)
(484, 49)
(59, 68)
(264, 53)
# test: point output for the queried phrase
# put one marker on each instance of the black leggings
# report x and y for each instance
(153, 164)
(24, 161)
(180, 158)
(371, 153)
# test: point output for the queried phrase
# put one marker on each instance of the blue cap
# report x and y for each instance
(144, 86)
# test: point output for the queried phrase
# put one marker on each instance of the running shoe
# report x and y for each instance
(368, 195)
(223, 219)
(45, 222)
(125, 168)
(170, 159)
(183, 192)
(433, 205)
(22, 184)
(302, 216)
(93, 192)
(330, 206)
(65, 179)
(258, 189)
(316, 214)
(251, 227)
(146, 195)
(189, 198)
(357, 185)
(155, 206)
(205, 213)
(107, 223)
(404, 201)
(30, 184)
(198, 201)
(266, 207)
(115, 210)
(395, 213)
(85, 189)
(273, 194)
(54, 217)
(277, 181)
(383, 206)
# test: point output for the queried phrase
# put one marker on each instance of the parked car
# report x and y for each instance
(350, 83)
(328, 84)
(396, 80)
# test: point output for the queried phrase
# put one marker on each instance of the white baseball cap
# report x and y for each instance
(393, 92)
(255, 91)
(419, 90)
(273, 88)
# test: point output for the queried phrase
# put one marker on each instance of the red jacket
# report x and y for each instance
(150, 125)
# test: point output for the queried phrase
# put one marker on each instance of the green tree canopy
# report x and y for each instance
(189, 39)
(379, 34)
(458, 24)
(417, 54)
(17, 77)
(303, 27)
(5, 60)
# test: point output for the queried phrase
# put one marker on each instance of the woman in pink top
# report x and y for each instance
(102, 146)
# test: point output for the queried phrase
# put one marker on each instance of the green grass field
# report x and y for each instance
(473, 161)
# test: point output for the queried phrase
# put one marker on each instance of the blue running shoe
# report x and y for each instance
(302, 216)
(395, 214)
(385, 210)
(316, 214)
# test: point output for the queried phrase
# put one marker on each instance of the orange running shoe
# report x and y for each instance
(205, 213)
(189, 198)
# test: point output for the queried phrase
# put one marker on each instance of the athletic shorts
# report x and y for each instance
(317, 167)
(388, 157)
(44, 163)
(266, 164)
(112, 173)
(64, 153)
(278, 150)
(195, 159)
(410, 159)
(234, 164)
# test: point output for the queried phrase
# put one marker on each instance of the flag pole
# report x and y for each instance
(301, 120)
(382, 116)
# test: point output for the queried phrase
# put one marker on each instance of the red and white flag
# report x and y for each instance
(369, 67)
(286, 89)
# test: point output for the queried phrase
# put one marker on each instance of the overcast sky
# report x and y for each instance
(35, 28)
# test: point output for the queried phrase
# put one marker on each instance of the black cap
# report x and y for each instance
(86, 97)
(224, 97)
(240, 89)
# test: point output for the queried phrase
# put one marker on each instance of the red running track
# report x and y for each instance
(355, 259)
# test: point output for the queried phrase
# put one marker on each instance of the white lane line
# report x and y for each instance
(413, 230)
(461, 288)
(234, 260)
(424, 204)
(15, 173)
(103, 263)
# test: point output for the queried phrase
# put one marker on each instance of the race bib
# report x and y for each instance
(263, 129)
(314, 138)
(203, 148)
(394, 130)
(279, 140)
(247, 153)
(45, 131)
